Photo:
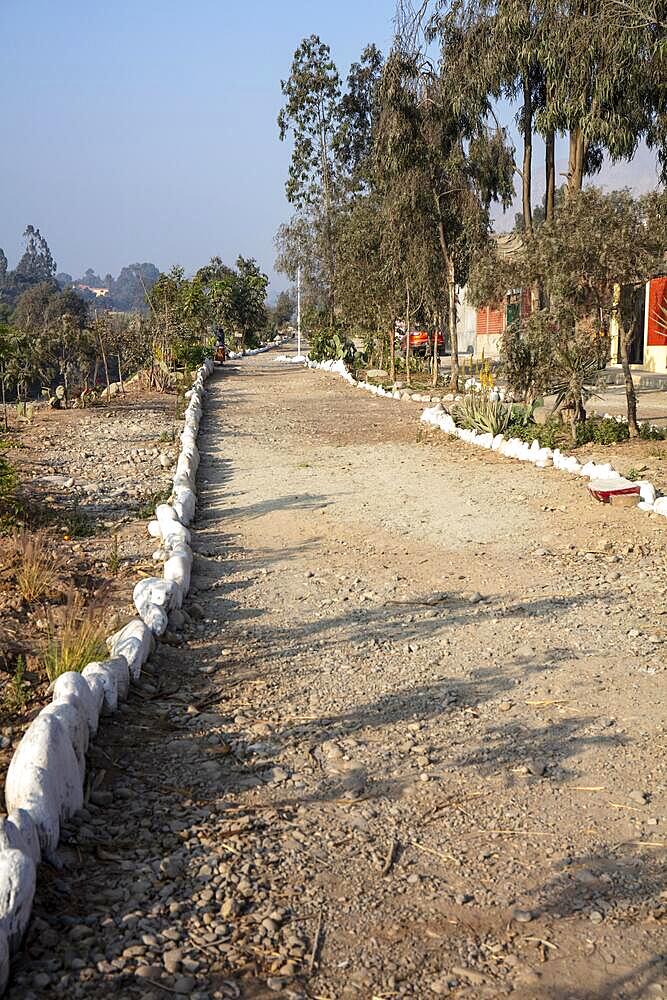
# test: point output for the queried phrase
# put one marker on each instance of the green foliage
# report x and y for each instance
(15, 693)
(331, 345)
(147, 507)
(190, 352)
(549, 434)
(8, 485)
(526, 355)
(477, 412)
(601, 431)
(648, 432)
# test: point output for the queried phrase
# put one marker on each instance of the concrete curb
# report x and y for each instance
(46, 774)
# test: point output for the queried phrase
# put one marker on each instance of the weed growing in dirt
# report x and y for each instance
(8, 484)
(15, 696)
(77, 523)
(114, 556)
(147, 508)
(38, 566)
(167, 437)
(75, 641)
(633, 475)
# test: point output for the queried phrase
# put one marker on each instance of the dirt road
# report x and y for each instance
(409, 743)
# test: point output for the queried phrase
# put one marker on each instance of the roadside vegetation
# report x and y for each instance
(396, 170)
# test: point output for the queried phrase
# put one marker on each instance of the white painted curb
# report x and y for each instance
(541, 458)
(45, 779)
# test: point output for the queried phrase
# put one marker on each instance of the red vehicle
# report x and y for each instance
(421, 342)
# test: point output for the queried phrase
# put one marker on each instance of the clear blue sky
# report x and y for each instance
(147, 131)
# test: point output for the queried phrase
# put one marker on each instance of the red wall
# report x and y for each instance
(657, 313)
(490, 320)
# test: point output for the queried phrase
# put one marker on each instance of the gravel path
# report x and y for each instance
(409, 742)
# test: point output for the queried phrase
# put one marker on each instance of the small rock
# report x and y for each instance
(522, 916)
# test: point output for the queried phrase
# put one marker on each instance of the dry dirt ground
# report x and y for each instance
(409, 742)
(88, 479)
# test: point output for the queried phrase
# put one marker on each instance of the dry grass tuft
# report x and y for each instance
(75, 640)
(38, 565)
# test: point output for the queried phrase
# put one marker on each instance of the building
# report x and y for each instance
(648, 351)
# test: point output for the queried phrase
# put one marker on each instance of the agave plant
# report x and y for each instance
(477, 412)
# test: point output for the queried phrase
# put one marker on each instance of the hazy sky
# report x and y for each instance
(147, 131)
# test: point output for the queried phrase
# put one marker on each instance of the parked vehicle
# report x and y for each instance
(421, 342)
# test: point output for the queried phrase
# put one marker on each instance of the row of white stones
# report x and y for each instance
(45, 779)
(514, 448)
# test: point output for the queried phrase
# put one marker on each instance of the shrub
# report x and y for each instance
(330, 345)
(649, 433)
(548, 435)
(479, 413)
(74, 642)
(189, 352)
(601, 431)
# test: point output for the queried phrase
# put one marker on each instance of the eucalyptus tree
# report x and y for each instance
(357, 111)
(437, 153)
(311, 113)
(606, 84)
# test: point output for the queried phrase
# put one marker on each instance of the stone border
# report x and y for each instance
(542, 458)
(235, 355)
(45, 779)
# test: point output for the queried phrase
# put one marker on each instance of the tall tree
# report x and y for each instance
(358, 107)
(435, 144)
(312, 114)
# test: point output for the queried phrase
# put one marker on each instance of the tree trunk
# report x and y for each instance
(550, 170)
(451, 298)
(104, 362)
(434, 379)
(624, 341)
(527, 129)
(453, 334)
(407, 334)
(392, 353)
(577, 159)
(4, 404)
(120, 373)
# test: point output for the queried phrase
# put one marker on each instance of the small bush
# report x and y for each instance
(75, 641)
(479, 413)
(601, 431)
(548, 434)
(649, 433)
(329, 345)
(38, 566)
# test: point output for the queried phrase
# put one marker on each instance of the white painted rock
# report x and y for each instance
(19, 833)
(44, 779)
(4, 962)
(134, 642)
(105, 681)
(73, 688)
(18, 876)
(73, 719)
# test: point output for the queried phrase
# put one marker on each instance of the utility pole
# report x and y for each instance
(298, 311)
